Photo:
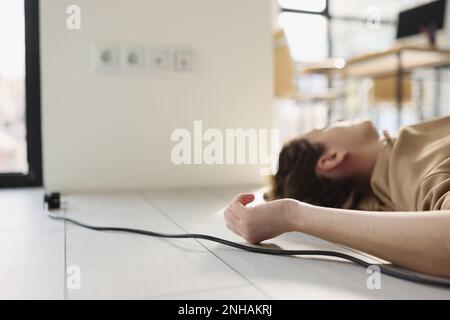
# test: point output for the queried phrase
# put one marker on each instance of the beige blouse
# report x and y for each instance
(412, 172)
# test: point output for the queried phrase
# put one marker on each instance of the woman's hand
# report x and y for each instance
(398, 237)
(263, 221)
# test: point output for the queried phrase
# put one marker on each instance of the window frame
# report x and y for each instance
(32, 104)
(287, 9)
(326, 13)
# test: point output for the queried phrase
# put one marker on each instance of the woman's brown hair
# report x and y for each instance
(297, 179)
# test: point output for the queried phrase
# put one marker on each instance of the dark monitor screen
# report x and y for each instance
(412, 21)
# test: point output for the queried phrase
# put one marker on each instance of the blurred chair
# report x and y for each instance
(286, 75)
(385, 89)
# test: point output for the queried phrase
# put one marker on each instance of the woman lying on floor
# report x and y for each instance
(389, 197)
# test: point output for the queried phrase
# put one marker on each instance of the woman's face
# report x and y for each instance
(345, 134)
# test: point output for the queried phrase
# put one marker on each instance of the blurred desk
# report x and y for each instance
(394, 62)
(383, 63)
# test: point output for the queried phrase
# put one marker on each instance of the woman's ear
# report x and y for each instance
(331, 160)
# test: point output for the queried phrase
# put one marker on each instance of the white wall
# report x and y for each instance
(113, 132)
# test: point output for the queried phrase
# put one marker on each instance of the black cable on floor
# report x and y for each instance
(384, 268)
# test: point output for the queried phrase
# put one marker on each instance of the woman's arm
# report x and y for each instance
(419, 241)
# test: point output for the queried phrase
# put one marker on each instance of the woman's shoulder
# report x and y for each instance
(429, 126)
(434, 189)
(413, 163)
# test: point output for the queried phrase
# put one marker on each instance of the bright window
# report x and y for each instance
(306, 35)
(13, 147)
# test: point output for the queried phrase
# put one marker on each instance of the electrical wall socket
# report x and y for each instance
(132, 59)
(158, 60)
(106, 57)
(183, 61)
(142, 59)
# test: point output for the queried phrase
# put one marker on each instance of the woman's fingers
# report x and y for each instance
(231, 221)
(235, 209)
(246, 198)
(229, 216)
(241, 201)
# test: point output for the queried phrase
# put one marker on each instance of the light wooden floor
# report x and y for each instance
(35, 251)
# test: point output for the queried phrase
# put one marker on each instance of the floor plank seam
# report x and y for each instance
(146, 198)
(361, 253)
